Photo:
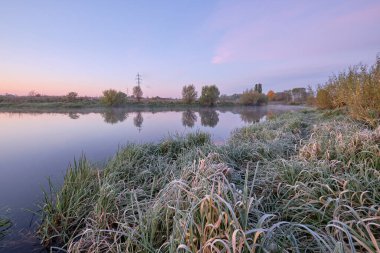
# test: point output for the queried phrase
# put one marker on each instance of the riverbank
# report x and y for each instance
(52, 103)
(306, 181)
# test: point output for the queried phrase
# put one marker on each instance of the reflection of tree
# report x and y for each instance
(138, 120)
(114, 116)
(73, 115)
(189, 118)
(209, 117)
(250, 116)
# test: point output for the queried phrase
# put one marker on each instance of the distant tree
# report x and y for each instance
(271, 95)
(259, 88)
(189, 94)
(71, 96)
(112, 97)
(137, 92)
(210, 95)
(253, 97)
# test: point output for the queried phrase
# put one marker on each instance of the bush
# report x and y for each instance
(324, 100)
(210, 95)
(357, 89)
(189, 94)
(252, 97)
(113, 98)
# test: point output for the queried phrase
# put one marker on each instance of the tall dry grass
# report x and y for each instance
(358, 89)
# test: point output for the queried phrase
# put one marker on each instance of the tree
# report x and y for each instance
(189, 94)
(210, 95)
(137, 92)
(72, 96)
(259, 88)
(271, 95)
(112, 97)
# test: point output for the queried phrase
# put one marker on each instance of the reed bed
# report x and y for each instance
(300, 182)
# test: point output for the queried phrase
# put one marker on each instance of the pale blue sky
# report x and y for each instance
(55, 47)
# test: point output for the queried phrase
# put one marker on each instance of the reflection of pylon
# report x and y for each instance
(138, 79)
(138, 120)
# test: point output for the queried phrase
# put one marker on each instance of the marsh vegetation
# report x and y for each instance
(300, 182)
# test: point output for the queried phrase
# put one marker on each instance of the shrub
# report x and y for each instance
(324, 100)
(252, 97)
(210, 95)
(189, 94)
(357, 89)
(113, 98)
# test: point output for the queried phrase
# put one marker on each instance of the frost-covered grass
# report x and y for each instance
(301, 182)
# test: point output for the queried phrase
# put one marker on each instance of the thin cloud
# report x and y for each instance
(290, 34)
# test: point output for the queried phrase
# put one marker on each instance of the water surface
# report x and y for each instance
(38, 146)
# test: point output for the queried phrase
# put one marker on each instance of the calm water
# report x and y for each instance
(36, 146)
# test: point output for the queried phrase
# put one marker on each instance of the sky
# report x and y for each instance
(87, 46)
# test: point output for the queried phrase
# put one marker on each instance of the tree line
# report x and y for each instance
(210, 96)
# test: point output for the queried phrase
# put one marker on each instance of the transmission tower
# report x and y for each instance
(138, 79)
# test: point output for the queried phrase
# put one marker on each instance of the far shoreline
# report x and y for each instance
(133, 107)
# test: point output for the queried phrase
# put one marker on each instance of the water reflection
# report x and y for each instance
(189, 118)
(209, 117)
(114, 116)
(252, 116)
(73, 115)
(96, 134)
(138, 120)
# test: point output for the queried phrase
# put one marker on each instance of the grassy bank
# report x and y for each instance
(13, 103)
(301, 182)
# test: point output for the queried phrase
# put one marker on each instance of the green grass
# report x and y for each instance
(5, 224)
(300, 182)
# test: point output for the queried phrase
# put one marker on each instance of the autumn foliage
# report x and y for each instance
(271, 95)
